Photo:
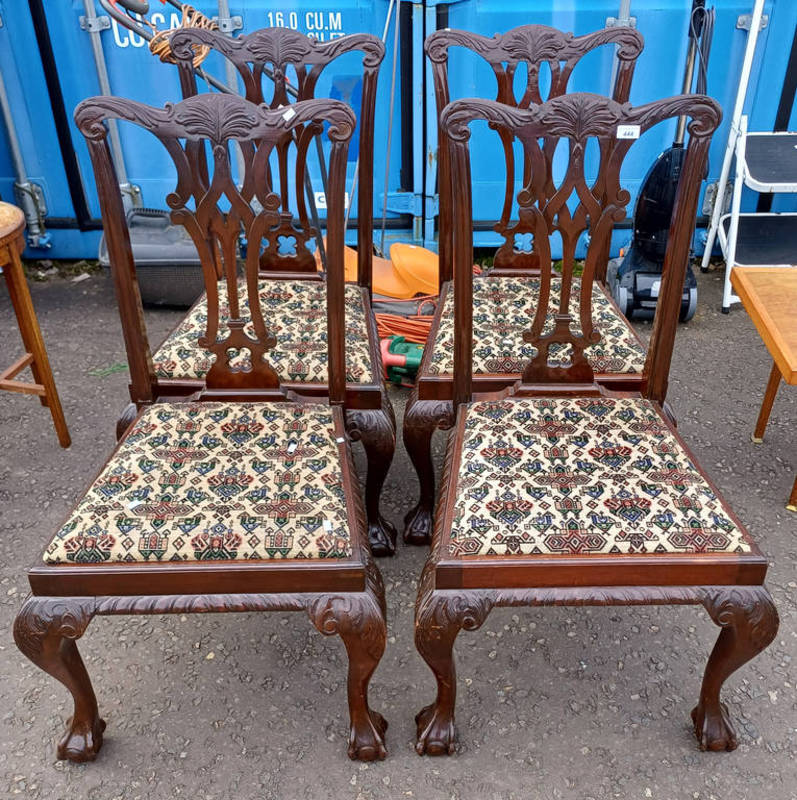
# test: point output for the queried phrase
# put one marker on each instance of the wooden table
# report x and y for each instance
(12, 243)
(770, 296)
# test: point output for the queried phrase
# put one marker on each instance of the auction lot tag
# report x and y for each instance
(628, 131)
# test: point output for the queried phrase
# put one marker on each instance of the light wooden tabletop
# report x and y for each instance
(770, 296)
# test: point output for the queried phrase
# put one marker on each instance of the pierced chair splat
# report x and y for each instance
(557, 490)
(244, 496)
(279, 67)
(505, 298)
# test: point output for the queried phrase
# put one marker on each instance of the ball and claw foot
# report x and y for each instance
(367, 743)
(435, 734)
(715, 731)
(382, 538)
(81, 742)
(418, 526)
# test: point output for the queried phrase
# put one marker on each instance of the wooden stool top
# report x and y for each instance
(770, 296)
(12, 223)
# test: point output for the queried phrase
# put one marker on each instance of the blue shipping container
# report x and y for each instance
(135, 73)
(659, 73)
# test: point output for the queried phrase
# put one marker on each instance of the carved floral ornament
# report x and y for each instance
(544, 42)
(278, 46)
(229, 116)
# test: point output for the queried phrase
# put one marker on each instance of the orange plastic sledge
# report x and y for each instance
(409, 271)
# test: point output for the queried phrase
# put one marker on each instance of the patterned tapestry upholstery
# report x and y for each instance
(215, 482)
(296, 311)
(581, 476)
(503, 308)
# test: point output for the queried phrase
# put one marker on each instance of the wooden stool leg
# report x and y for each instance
(33, 342)
(766, 406)
(24, 330)
(792, 504)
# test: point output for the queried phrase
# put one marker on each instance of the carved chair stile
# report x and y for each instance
(620, 357)
(180, 363)
(558, 490)
(242, 497)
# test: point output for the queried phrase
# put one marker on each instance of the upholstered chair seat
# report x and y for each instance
(296, 310)
(215, 482)
(581, 476)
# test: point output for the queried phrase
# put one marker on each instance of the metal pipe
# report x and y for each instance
(396, 31)
(13, 139)
(92, 28)
(686, 88)
(26, 194)
(356, 176)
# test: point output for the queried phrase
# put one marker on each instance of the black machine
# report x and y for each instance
(635, 278)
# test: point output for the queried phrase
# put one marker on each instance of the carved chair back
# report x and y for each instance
(532, 46)
(599, 204)
(273, 57)
(215, 212)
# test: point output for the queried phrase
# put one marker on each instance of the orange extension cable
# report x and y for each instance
(414, 328)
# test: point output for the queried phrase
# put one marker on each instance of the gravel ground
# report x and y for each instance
(553, 703)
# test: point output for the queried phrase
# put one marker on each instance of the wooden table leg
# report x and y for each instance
(32, 340)
(792, 504)
(766, 406)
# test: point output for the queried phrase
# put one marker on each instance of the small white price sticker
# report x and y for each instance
(289, 114)
(628, 131)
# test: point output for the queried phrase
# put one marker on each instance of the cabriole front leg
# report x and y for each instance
(359, 621)
(45, 630)
(421, 419)
(376, 429)
(749, 623)
(439, 617)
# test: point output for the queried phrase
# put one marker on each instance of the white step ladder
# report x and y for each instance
(765, 162)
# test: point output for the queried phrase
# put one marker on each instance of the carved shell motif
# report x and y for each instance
(227, 118)
(277, 46)
(535, 44)
(579, 115)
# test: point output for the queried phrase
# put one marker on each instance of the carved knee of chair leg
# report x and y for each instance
(376, 430)
(749, 622)
(45, 630)
(359, 620)
(421, 419)
(439, 617)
